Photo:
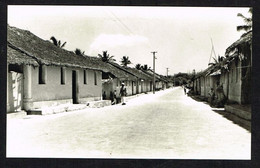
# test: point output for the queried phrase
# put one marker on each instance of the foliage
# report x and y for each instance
(138, 66)
(142, 67)
(145, 67)
(248, 22)
(79, 52)
(217, 60)
(105, 57)
(125, 61)
(57, 43)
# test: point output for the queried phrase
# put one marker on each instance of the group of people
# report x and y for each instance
(217, 98)
(113, 95)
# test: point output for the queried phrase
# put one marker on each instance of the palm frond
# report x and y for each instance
(63, 44)
(138, 66)
(54, 40)
(244, 27)
(250, 10)
(125, 61)
(211, 64)
(79, 52)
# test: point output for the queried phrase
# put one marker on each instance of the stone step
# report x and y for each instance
(18, 114)
(57, 109)
(69, 107)
(98, 104)
(239, 111)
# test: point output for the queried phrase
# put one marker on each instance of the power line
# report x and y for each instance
(122, 23)
(129, 31)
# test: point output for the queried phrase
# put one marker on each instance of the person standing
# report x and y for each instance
(123, 93)
(115, 97)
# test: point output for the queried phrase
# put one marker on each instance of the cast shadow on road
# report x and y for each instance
(235, 119)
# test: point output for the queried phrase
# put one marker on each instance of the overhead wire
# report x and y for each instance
(129, 31)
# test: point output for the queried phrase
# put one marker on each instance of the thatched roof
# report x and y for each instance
(157, 76)
(116, 71)
(16, 57)
(231, 54)
(245, 38)
(121, 68)
(26, 48)
(139, 73)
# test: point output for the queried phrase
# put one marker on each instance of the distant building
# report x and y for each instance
(233, 73)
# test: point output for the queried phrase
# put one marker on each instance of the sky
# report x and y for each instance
(182, 36)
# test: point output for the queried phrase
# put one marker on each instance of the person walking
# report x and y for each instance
(115, 97)
(123, 93)
(184, 89)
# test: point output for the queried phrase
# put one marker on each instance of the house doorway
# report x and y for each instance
(132, 87)
(75, 93)
(15, 93)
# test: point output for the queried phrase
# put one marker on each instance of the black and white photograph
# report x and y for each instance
(129, 82)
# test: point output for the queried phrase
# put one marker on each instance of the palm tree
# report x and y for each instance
(125, 61)
(79, 52)
(217, 60)
(57, 43)
(144, 67)
(138, 66)
(105, 57)
(248, 21)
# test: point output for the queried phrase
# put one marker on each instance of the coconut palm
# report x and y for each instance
(217, 60)
(57, 43)
(145, 67)
(248, 21)
(138, 66)
(79, 52)
(125, 61)
(105, 57)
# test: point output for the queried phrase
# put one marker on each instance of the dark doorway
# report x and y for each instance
(75, 98)
(132, 87)
(137, 87)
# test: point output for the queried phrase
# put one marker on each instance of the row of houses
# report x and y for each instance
(41, 74)
(232, 73)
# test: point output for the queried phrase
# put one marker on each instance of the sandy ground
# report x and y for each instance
(167, 124)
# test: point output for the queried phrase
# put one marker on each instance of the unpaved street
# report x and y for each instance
(165, 125)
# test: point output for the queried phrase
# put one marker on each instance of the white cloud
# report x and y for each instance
(104, 41)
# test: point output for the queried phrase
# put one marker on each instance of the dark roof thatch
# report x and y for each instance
(16, 57)
(231, 54)
(133, 71)
(139, 73)
(157, 76)
(118, 73)
(121, 68)
(26, 48)
(245, 38)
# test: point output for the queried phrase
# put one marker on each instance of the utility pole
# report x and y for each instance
(154, 70)
(167, 69)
